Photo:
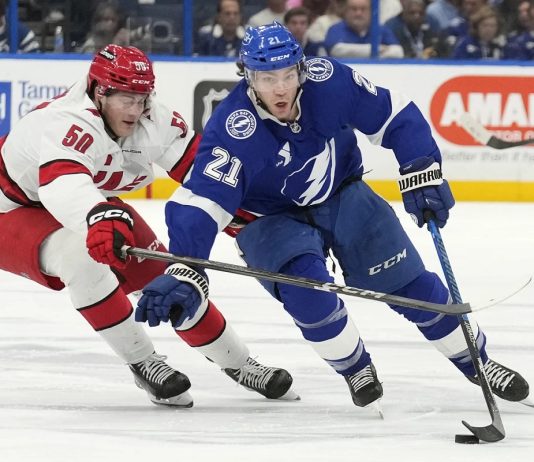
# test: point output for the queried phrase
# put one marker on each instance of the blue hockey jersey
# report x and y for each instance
(248, 159)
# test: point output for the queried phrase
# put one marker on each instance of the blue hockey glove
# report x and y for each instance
(423, 188)
(176, 295)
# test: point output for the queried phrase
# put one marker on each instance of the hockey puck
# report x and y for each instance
(466, 439)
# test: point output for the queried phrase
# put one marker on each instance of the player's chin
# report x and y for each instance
(125, 129)
(281, 111)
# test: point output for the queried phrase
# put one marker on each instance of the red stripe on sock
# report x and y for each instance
(208, 329)
(109, 312)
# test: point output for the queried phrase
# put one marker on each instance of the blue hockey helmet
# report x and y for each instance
(269, 48)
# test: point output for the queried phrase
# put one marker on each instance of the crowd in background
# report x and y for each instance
(422, 29)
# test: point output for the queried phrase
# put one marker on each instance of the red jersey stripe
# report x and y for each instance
(51, 170)
(180, 169)
(9, 188)
(207, 330)
(109, 312)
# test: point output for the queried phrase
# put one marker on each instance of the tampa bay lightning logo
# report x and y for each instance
(316, 176)
(241, 124)
(319, 69)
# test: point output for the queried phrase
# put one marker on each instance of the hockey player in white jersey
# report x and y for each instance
(61, 169)
(282, 147)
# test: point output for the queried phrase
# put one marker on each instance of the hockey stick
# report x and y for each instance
(484, 136)
(494, 431)
(455, 309)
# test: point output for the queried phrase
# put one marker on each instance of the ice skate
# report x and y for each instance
(271, 382)
(163, 384)
(505, 383)
(365, 388)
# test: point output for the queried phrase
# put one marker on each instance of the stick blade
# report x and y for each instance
(489, 434)
(474, 128)
(498, 301)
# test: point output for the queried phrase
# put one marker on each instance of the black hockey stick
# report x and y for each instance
(455, 309)
(484, 136)
(494, 431)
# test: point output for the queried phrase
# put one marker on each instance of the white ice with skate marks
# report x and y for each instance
(65, 397)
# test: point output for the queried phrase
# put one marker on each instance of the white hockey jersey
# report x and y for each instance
(61, 157)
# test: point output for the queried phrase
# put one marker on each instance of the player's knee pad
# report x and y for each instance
(428, 287)
(272, 241)
(64, 255)
(318, 314)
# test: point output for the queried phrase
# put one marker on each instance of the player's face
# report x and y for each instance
(123, 110)
(277, 90)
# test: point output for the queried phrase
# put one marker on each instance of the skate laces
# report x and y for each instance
(362, 378)
(498, 375)
(254, 375)
(155, 369)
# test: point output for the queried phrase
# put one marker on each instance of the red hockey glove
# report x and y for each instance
(240, 220)
(110, 226)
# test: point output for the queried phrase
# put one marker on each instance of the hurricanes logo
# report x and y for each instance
(319, 69)
(241, 124)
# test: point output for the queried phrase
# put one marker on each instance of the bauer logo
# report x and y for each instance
(502, 104)
(5, 108)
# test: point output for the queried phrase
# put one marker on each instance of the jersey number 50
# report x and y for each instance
(213, 169)
(80, 141)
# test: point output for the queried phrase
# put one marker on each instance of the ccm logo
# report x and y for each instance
(111, 215)
(279, 58)
(388, 263)
(142, 82)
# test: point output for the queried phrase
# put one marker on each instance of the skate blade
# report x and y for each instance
(527, 402)
(184, 400)
(290, 395)
(377, 407)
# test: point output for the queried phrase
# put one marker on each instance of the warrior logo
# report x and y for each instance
(240, 124)
(319, 69)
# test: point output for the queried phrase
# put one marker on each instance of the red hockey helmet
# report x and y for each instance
(121, 68)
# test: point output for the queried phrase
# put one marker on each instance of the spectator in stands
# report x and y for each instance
(389, 9)
(107, 27)
(318, 29)
(458, 28)
(351, 38)
(484, 40)
(443, 12)
(275, 11)
(222, 37)
(516, 20)
(416, 36)
(298, 20)
(316, 7)
(27, 42)
(522, 46)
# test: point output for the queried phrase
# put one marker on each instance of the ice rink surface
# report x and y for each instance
(65, 397)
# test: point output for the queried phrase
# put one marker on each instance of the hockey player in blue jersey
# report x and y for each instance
(281, 147)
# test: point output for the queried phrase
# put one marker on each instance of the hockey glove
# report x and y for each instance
(177, 295)
(423, 188)
(110, 226)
